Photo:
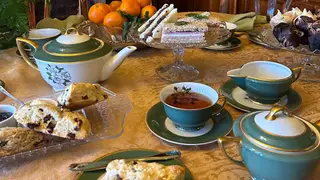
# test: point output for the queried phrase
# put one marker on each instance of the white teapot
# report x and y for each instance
(73, 57)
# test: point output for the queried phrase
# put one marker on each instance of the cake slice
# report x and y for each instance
(184, 32)
(137, 170)
(152, 28)
(200, 17)
(80, 95)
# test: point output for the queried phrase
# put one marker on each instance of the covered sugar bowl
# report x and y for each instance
(276, 145)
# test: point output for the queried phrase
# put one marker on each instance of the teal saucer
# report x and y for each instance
(229, 89)
(130, 153)
(231, 43)
(157, 122)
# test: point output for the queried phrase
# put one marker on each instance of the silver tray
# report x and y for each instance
(107, 122)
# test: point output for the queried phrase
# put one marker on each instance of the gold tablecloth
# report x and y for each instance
(137, 78)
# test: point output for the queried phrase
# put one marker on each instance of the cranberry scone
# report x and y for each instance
(49, 119)
(18, 139)
(80, 95)
(72, 125)
(137, 170)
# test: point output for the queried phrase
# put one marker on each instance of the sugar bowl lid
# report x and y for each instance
(73, 46)
(280, 132)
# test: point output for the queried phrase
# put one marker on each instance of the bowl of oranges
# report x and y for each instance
(113, 22)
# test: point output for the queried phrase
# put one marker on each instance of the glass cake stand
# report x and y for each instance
(179, 71)
(304, 57)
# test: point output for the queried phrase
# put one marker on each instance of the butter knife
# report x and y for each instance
(93, 166)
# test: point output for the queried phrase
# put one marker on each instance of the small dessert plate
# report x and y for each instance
(163, 128)
(130, 153)
(237, 98)
(231, 43)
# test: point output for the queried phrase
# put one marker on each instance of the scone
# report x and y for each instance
(72, 125)
(40, 117)
(137, 170)
(80, 95)
(49, 119)
(17, 139)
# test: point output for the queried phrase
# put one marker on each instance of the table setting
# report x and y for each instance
(162, 95)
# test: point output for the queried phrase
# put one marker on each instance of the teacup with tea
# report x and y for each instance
(190, 105)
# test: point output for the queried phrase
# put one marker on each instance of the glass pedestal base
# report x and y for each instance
(178, 72)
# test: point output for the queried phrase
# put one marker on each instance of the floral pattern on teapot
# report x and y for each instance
(58, 75)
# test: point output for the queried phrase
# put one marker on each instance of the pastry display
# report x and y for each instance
(137, 170)
(295, 27)
(184, 32)
(49, 119)
(152, 28)
(287, 35)
(18, 139)
(79, 95)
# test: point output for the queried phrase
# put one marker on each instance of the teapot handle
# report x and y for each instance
(222, 140)
(297, 72)
(23, 53)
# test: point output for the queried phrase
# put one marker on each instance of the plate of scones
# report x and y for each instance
(82, 113)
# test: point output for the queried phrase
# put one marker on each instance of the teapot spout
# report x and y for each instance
(235, 75)
(115, 61)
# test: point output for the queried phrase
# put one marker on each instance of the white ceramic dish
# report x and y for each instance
(9, 122)
(231, 27)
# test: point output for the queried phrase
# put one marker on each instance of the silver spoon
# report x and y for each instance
(93, 166)
(4, 91)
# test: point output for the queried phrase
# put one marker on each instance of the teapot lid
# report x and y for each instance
(280, 132)
(73, 45)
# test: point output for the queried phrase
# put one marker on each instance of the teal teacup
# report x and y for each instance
(191, 119)
(42, 36)
(265, 82)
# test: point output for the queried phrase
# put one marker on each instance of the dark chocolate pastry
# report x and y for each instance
(314, 32)
(317, 14)
(314, 42)
(302, 23)
(314, 28)
(287, 35)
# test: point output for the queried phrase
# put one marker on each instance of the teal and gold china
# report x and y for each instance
(238, 99)
(163, 128)
(42, 36)
(73, 57)
(230, 44)
(195, 118)
(131, 153)
(276, 145)
(264, 81)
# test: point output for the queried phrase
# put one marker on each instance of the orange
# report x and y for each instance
(150, 9)
(144, 3)
(130, 7)
(115, 5)
(114, 19)
(97, 12)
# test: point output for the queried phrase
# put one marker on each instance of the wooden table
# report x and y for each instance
(137, 78)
